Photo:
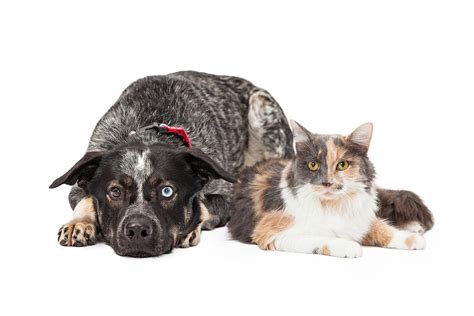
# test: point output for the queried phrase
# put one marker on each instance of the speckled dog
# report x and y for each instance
(144, 190)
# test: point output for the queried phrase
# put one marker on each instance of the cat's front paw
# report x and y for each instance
(341, 248)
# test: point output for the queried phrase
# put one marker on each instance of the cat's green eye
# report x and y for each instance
(313, 165)
(342, 165)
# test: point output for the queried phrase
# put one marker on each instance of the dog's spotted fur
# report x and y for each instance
(228, 119)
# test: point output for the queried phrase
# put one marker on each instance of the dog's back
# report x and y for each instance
(213, 110)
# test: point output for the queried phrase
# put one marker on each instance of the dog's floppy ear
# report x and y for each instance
(205, 167)
(85, 167)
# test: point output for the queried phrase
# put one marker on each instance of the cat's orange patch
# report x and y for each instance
(410, 240)
(334, 155)
(259, 185)
(330, 203)
(261, 182)
(270, 224)
(325, 250)
(334, 202)
(286, 170)
(353, 172)
(379, 234)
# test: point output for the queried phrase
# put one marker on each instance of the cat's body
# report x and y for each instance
(323, 201)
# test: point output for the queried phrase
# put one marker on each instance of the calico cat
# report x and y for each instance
(323, 201)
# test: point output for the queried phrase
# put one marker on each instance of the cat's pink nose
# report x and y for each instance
(326, 184)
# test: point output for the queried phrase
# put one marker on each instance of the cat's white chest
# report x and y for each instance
(349, 219)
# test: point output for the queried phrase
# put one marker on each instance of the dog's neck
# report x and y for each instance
(161, 134)
(146, 138)
(179, 132)
(151, 138)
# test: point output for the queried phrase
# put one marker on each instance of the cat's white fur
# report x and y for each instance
(350, 218)
(316, 226)
(338, 227)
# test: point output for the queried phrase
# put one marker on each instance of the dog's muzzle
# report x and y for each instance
(138, 236)
(139, 232)
(138, 229)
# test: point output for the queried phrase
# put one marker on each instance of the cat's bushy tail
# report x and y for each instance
(405, 210)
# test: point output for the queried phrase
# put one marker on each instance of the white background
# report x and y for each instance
(407, 66)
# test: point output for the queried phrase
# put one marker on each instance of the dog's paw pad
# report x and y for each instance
(192, 239)
(64, 235)
(195, 238)
(77, 234)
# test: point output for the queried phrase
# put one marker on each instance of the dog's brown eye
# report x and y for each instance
(115, 192)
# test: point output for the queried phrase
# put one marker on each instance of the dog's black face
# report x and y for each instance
(147, 196)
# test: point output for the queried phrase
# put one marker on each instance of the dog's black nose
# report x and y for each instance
(138, 229)
(327, 184)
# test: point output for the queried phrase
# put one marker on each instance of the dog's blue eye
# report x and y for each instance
(167, 191)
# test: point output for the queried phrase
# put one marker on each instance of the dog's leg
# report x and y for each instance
(269, 133)
(82, 229)
(192, 239)
(208, 220)
(215, 210)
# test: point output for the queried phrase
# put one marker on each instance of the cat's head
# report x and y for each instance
(333, 165)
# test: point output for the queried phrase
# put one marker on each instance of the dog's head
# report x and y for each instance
(147, 196)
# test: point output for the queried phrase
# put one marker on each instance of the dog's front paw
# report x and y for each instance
(342, 249)
(192, 239)
(78, 233)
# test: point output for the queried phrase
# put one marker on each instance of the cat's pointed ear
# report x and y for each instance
(300, 134)
(362, 135)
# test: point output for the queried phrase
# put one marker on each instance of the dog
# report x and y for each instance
(143, 187)
(160, 164)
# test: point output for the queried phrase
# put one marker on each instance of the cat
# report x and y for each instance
(323, 201)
